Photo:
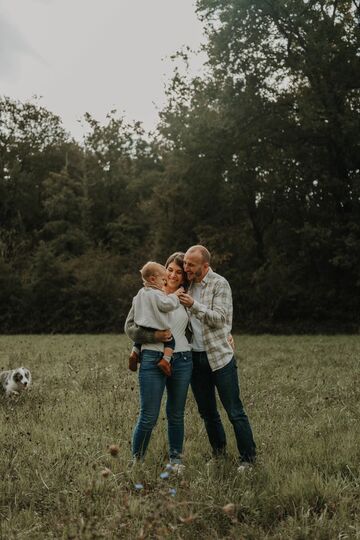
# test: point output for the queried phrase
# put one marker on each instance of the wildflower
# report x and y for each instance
(138, 486)
(114, 449)
(172, 492)
(169, 467)
(229, 508)
(164, 475)
(188, 519)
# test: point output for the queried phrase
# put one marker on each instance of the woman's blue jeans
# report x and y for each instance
(152, 382)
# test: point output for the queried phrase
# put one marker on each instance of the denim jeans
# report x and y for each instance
(225, 380)
(152, 382)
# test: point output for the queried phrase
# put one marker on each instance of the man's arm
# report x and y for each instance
(221, 311)
(140, 335)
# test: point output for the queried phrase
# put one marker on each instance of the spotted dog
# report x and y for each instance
(15, 381)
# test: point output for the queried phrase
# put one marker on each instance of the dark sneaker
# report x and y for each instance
(244, 467)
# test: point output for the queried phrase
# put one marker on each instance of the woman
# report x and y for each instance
(152, 381)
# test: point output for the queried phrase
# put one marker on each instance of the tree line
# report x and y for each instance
(257, 158)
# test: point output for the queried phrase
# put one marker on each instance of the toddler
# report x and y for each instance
(151, 305)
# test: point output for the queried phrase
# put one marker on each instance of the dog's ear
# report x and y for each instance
(27, 372)
(17, 377)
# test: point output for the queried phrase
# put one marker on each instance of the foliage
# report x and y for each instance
(257, 158)
(73, 221)
(268, 142)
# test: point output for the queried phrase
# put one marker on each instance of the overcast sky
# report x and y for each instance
(94, 55)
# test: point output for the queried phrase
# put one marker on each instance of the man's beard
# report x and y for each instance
(195, 275)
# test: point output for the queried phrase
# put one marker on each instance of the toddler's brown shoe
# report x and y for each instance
(165, 367)
(133, 361)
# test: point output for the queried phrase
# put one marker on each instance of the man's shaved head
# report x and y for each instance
(196, 263)
(205, 253)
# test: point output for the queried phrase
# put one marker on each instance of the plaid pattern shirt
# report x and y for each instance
(215, 311)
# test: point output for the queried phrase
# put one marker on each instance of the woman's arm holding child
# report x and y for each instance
(140, 335)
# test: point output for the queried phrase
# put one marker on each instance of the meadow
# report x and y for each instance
(58, 478)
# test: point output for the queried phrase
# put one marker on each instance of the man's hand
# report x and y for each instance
(162, 335)
(231, 342)
(186, 300)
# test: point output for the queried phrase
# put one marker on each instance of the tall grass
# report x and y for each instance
(59, 480)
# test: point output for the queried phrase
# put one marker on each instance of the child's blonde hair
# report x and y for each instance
(151, 269)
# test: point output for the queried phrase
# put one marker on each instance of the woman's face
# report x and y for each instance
(174, 275)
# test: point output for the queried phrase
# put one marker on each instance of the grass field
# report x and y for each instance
(59, 480)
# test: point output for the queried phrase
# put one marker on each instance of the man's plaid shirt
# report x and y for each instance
(215, 311)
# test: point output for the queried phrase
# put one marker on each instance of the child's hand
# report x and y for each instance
(179, 291)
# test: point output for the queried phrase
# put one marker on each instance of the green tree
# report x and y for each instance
(267, 143)
(32, 143)
(121, 170)
(48, 291)
(65, 206)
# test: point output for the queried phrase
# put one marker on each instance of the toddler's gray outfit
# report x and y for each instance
(151, 307)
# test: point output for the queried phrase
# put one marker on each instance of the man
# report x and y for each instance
(209, 301)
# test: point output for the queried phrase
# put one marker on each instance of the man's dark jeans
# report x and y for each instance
(225, 380)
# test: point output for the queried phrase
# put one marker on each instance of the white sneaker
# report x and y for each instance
(176, 468)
